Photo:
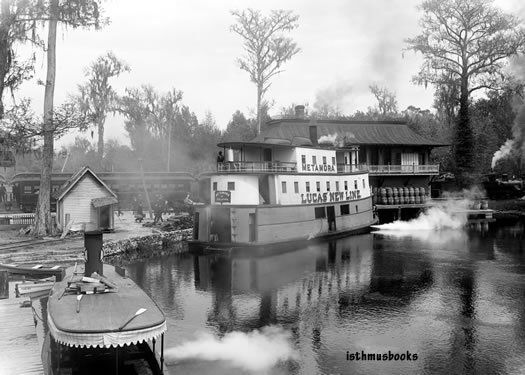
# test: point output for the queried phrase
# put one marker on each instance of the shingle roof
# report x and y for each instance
(75, 178)
(359, 132)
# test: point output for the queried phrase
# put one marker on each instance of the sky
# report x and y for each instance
(346, 45)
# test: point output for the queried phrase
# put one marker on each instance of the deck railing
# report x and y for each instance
(349, 168)
(256, 166)
(404, 169)
(289, 167)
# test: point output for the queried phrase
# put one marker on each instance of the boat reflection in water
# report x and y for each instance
(456, 298)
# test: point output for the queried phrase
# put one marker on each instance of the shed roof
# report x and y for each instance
(75, 178)
(357, 132)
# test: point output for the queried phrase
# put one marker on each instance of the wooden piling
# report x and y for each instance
(4, 284)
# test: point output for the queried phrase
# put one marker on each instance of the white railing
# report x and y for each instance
(256, 166)
(404, 169)
(349, 168)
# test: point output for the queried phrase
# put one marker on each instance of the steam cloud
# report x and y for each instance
(435, 218)
(253, 351)
(449, 214)
(503, 152)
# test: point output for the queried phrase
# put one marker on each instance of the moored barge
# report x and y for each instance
(280, 193)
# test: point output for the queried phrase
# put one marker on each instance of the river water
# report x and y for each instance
(454, 298)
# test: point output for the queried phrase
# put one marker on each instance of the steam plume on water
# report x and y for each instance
(253, 351)
(448, 214)
(435, 218)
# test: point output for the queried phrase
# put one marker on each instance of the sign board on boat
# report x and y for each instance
(223, 196)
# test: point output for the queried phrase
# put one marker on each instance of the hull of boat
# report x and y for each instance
(267, 229)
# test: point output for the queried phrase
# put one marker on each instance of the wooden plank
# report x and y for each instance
(20, 352)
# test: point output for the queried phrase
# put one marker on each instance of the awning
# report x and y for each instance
(103, 319)
(104, 201)
(105, 339)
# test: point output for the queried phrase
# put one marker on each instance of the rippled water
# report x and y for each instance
(456, 298)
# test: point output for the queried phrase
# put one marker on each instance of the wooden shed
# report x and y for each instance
(87, 201)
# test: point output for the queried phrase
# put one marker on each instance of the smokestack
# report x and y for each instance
(313, 134)
(299, 111)
(93, 246)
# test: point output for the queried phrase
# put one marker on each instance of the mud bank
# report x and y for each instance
(126, 250)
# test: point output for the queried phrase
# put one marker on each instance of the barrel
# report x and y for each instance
(384, 200)
(411, 191)
(389, 192)
(405, 191)
(395, 192)
(417, 199)
(423, 198)
(422, 191)
(411, 199)
(396, 199)
(382, 192)
(390, 200)
(401, 200)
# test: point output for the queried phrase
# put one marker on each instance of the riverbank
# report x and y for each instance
(129, 241)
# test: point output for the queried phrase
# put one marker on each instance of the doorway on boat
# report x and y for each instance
(220, 226)
(264, 190)
(330, 216)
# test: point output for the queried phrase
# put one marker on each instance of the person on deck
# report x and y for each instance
(220, 157)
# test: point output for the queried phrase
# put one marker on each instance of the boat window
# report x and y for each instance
(231, 185)
(320, 212)
(327, 185)
(346, 185)
(303, 159)
(337, 186)
(214, 186)
(355, 184)
(333, 160)
(364, 183)
(356, 208)
(27, 189)
(345, 209)
(324, 159)
(314, 160)
(307, 187)
(318, 186)
(283, 187)
(296, 187)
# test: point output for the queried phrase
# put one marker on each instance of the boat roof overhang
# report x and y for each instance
(100, 319)
(287, 145)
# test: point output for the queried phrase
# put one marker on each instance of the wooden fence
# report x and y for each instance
(19, 219)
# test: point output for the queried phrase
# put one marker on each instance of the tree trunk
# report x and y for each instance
(100, 145)
(43, 222)
(259, 99)
(463, 138)
(5, 49)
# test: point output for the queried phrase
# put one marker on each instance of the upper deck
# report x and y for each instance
(291, 167)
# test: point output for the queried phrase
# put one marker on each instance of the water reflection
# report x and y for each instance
(456, 298)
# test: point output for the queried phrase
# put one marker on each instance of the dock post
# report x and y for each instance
(93, 247)
(4, 284)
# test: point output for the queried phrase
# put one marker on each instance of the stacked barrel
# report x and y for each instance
(399, 195)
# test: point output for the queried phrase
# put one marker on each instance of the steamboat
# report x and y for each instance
(277, 193)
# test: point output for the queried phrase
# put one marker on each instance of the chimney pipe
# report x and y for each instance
(93, 247)
(299, 111)
(313, 134)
